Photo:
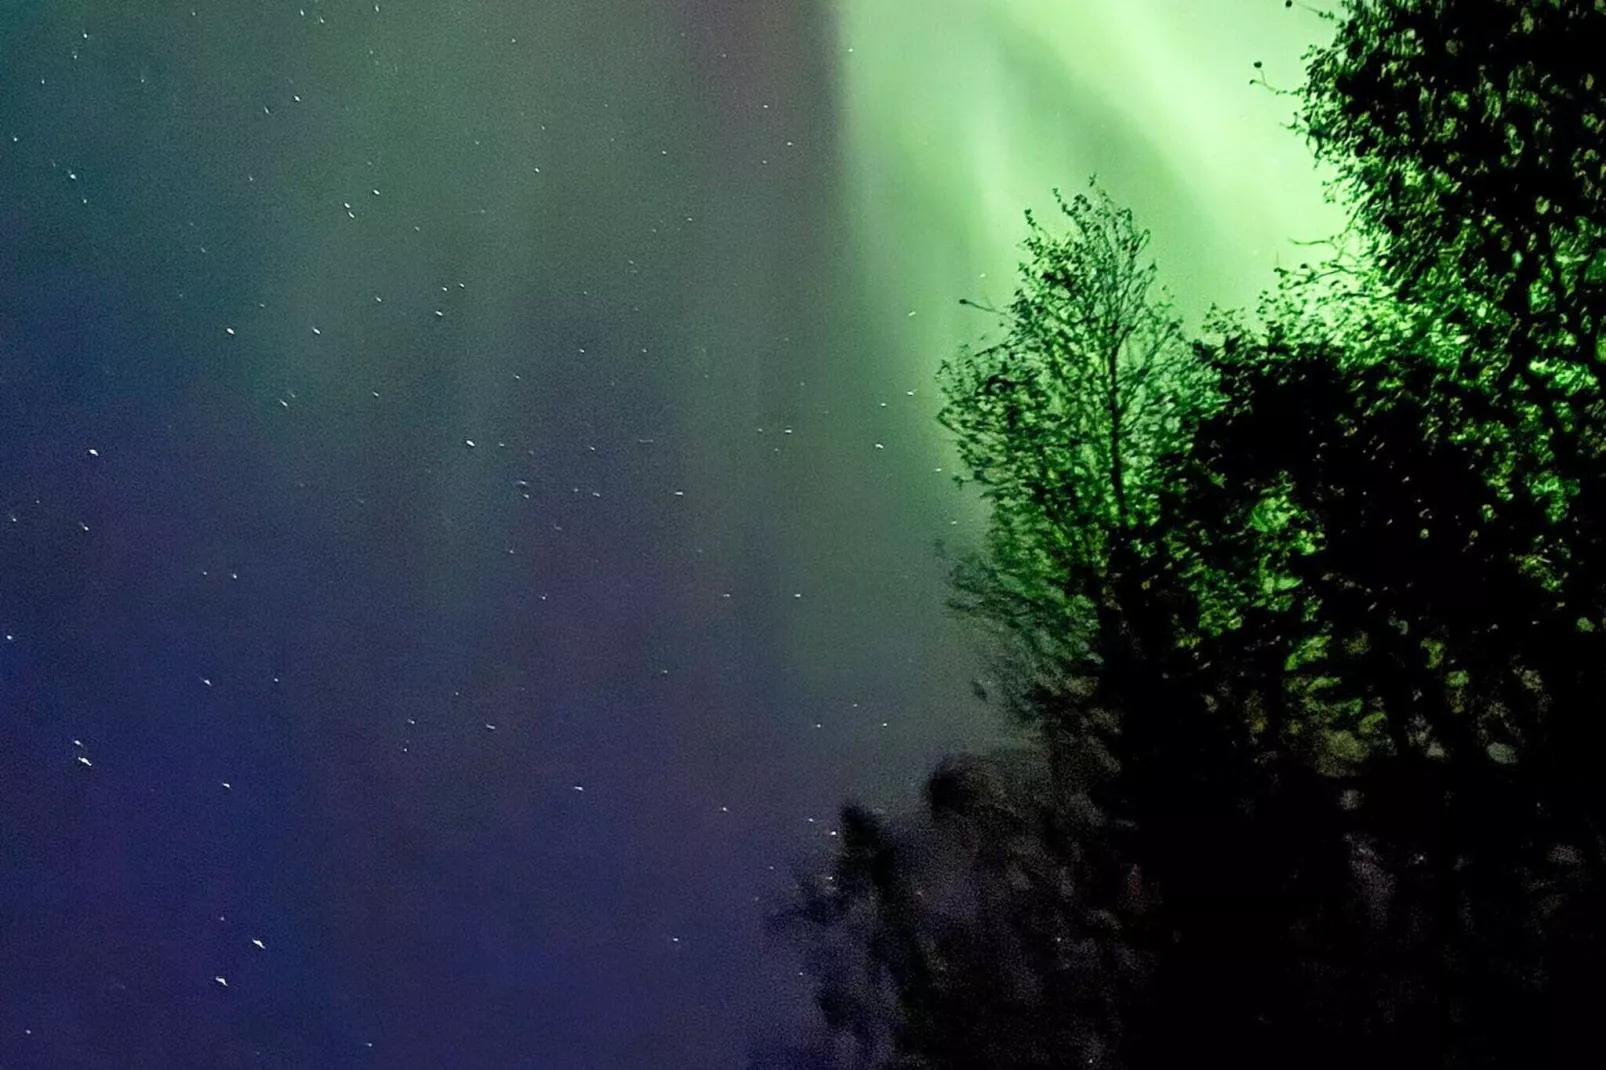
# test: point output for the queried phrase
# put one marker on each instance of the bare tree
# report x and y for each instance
(1062, 424)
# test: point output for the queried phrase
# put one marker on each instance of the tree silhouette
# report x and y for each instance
(967, 935)
(1307, 618)
(1062, 424)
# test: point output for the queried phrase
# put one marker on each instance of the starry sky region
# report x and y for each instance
(468, 484)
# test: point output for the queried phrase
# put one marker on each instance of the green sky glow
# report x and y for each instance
(952, 120)
(953, 125)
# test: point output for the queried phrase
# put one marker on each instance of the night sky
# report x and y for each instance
(469, 483)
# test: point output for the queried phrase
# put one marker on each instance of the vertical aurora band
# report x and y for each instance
(956, 118)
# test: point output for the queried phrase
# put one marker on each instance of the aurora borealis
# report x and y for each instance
(468, 482)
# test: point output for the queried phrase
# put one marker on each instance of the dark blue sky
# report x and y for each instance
(263, 603)
(467, 503)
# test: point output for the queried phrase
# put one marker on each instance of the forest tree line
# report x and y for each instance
(1303, 618)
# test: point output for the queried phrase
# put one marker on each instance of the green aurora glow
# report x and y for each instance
(952, 126)
(949, 127)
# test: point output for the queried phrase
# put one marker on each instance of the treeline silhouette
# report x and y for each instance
(1303, 617)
